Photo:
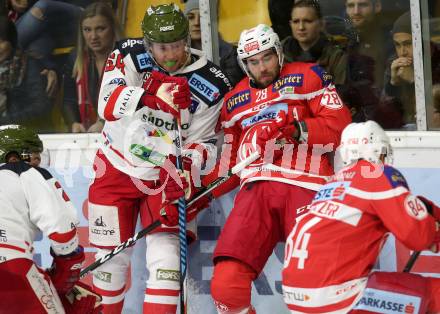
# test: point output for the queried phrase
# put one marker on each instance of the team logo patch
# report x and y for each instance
(291, 80)
(395, 178)
(325, 77)
(238, 100)
(251, 46)
(208, 90)
(415, 207)
(118, 81)
(144, 61)
(334, 190)
(380, 301)
(269, 113)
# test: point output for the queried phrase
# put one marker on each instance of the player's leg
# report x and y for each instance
(162, 289)
(26, 289)
(296, 199)
(245, 243)
(231, 286)
(113, 210)
(162, 260)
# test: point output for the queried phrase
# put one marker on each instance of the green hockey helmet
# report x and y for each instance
(165, 23)
(18, 139)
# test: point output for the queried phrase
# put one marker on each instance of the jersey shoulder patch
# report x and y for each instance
(208, 83)
(326, 78)
(394, 177)
(134, 47)
(17, 167)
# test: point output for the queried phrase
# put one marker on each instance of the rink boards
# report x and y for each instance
(69, 157)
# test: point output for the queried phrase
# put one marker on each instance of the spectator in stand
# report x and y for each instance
(41, 26)
(308, 42)
(372, 34)
(98, 31)
(227, 51)
(24, 95)
(399, 75)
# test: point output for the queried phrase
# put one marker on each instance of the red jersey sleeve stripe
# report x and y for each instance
(110, 106)
(63, 237)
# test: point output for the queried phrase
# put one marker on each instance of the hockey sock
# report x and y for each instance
(231, 287)
(160, 301)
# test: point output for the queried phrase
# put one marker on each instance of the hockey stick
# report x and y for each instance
(131, 241)
(182, 221)
(411, 261)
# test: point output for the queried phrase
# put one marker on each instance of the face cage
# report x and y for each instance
(148, 43)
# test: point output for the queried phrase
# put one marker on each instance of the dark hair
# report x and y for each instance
(8, 32)
(314, 4)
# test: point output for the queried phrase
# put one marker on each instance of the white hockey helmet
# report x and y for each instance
(365, 140)
(255, 40)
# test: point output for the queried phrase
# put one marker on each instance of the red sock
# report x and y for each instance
(231, 286)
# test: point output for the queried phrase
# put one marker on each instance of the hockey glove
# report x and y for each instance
(167, 93)
(176, 183)
(169, 214)
(65, 270)
(433, 209)
(82, 300)
(281, 128)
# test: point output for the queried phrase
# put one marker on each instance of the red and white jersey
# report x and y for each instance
(137, 139)
(305, 93)
(332, 249)
(33, 201)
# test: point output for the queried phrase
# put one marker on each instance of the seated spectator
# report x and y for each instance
(372, 33)
(227, 51)
(23, 87)
(43, 25)
(308, 42)
(399, 75)
(98, 32)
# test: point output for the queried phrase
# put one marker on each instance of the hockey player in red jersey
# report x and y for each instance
(332, 249)
(149, 83)
(32, 201)
(293, 103)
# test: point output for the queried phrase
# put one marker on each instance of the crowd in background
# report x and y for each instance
(365, 45)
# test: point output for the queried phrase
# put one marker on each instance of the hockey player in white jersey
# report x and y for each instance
(32, 201)
(149, 83)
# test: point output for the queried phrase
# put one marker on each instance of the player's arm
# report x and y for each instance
(120, 91)
(227, 160)
(405, 215)
(329, 115)
(53, 213)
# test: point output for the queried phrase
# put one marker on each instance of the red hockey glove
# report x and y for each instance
(82, 299)
(279, 128)
(176, 183)
(65, 270)
(169, 214)
(433, 209)
(167, 93)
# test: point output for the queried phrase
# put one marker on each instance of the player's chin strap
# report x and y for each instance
(131, 241)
